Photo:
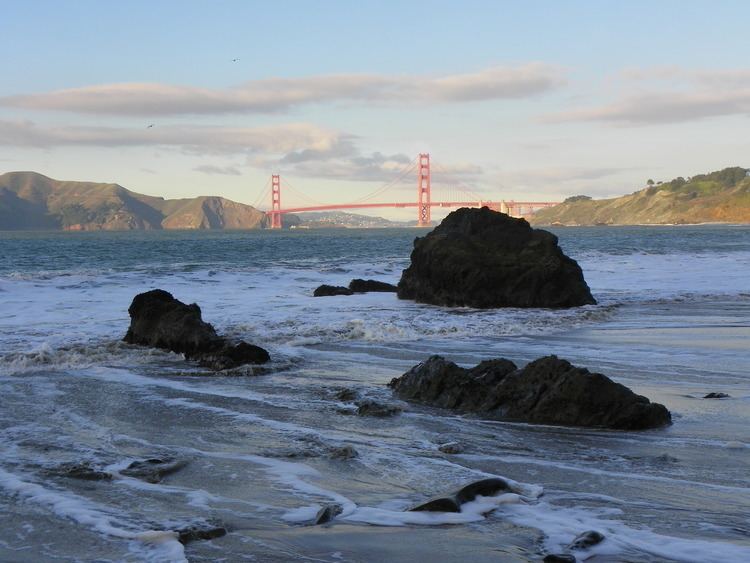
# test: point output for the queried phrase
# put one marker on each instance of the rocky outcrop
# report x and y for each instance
(452, 502)
(482, 258)
(153, 470)
(369, 407)
(451, 448)
(83, 470)
(331, 290)
(365, 286)
(547, 391)
(715, 395)
(587, 539)
(159, 320)
(328, 513)
(200, 532)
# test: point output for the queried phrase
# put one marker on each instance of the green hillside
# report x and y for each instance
(722, 197)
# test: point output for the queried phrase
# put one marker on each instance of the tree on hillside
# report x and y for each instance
(649, 182)
(575, 198)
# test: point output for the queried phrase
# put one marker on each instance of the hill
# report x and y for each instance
(31, 201)
(328, 219)
(718, 197)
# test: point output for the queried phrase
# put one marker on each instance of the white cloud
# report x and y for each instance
(662, 108)
(279, 94)
(221, 170)
(691, 94)
(280, 139)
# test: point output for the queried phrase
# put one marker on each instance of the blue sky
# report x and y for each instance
(515, 100)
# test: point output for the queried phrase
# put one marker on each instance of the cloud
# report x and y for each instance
(662, 108)
(724, 78)
(222, 170)
(280, 94)
(692, 94)
(346, 162)
(280, 139)
(299, 149)
(373, 167)
(563, 174)
(552, 182)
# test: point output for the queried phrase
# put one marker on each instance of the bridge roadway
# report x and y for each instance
(508, 205)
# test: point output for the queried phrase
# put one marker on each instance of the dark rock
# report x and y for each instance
(330, 290)
(154, 469)
(482, 258)
(717, 396)
(328, 513)
(346, 395)
(159, 320)
(451, 448)
(195, 533)
(452, 503)
(441, 504)
(586, 539)
(364, 286)
(368, 407)
(343, 452)
(485, 488)
(233, 356)
(82, 470)
(547, 391)
(559, 558)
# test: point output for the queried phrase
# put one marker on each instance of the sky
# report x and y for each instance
(532, 100)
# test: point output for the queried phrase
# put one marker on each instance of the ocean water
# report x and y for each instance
(672, 323)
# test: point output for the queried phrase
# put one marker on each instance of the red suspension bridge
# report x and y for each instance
(459, 196)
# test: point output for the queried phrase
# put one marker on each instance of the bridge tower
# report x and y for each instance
(275, 202)
(423, 191)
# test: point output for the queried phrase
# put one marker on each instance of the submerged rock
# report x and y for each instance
(368, 407)
(547, 391)
(482, 258)
(440, 504)
(587, 539)
(195, 533)
(233, 356)
(83, 470)
(451, 448)
(452, 503)
(346, 395)
(559, 558)
(159, 320)
(327, 513)
(154, 469)
(343, 452)
(365, 286)
(715, 395)
(331, 290)
(485, 488)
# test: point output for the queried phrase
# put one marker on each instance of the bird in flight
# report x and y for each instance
(235, 60)
(150, 126)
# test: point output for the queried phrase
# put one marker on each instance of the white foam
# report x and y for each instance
(561, 525)
(84, 512)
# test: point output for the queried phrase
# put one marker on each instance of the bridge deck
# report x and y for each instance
(491, 204)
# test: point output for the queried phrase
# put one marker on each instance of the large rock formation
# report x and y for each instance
(159, 320)
(482, 258)
(547, 391)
